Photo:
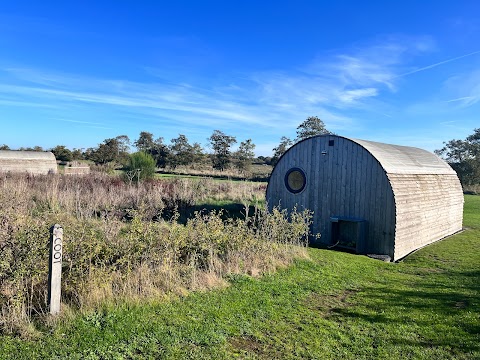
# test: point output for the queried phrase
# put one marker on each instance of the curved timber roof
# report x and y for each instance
(26, 155)
(396, 159)
(36, 162)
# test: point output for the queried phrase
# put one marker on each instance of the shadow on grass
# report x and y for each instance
(229, 211)
(459, 292)
(454, 300)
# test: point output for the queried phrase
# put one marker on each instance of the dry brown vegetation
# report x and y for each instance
(118, 245)
(472, 189)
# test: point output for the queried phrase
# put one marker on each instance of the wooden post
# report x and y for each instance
(55, 269)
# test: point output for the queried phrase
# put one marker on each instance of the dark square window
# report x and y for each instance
(331, 142)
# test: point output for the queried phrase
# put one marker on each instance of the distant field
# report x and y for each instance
(256, 173)
(332, 306)
(196, 177)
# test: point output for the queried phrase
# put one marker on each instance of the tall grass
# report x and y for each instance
(118, 247)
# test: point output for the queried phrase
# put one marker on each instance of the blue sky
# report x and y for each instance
(76, 73)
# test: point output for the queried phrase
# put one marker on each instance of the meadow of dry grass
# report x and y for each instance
(119, 245)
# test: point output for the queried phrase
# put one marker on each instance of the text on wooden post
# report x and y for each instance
(55, 269)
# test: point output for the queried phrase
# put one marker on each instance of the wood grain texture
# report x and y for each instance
(409, 197)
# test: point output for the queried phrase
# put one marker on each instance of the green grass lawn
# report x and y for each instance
(170, 176)
(176, 176)
(333, 306)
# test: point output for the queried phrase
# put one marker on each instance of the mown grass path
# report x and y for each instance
(333, 306)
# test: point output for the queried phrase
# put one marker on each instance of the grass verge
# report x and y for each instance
(334, 305)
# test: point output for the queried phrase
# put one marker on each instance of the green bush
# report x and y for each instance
(140, 166)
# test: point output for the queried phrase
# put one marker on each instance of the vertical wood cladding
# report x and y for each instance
(407, 196)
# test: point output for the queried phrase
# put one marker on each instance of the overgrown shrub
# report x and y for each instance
(110, 257)
(140, 166)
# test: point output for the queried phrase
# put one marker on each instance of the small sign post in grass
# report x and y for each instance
(55, 269)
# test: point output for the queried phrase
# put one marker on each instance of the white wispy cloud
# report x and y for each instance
(463, 98)
(352, 96)
(465, 88)
(431, 66)
(180, 102)
(374, 63)
(330, 86)
(23, 103)
(340, 82)
(449, 122)
(78, 121)
(140, 96)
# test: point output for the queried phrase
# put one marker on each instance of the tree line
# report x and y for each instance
(180, 152)
(464, 157)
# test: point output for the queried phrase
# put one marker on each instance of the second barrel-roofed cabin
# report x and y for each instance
(32, 162)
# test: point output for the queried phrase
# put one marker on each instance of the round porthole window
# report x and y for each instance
(295, 180)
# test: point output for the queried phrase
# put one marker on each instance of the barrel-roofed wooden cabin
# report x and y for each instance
(33, 162)
(369, 197)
